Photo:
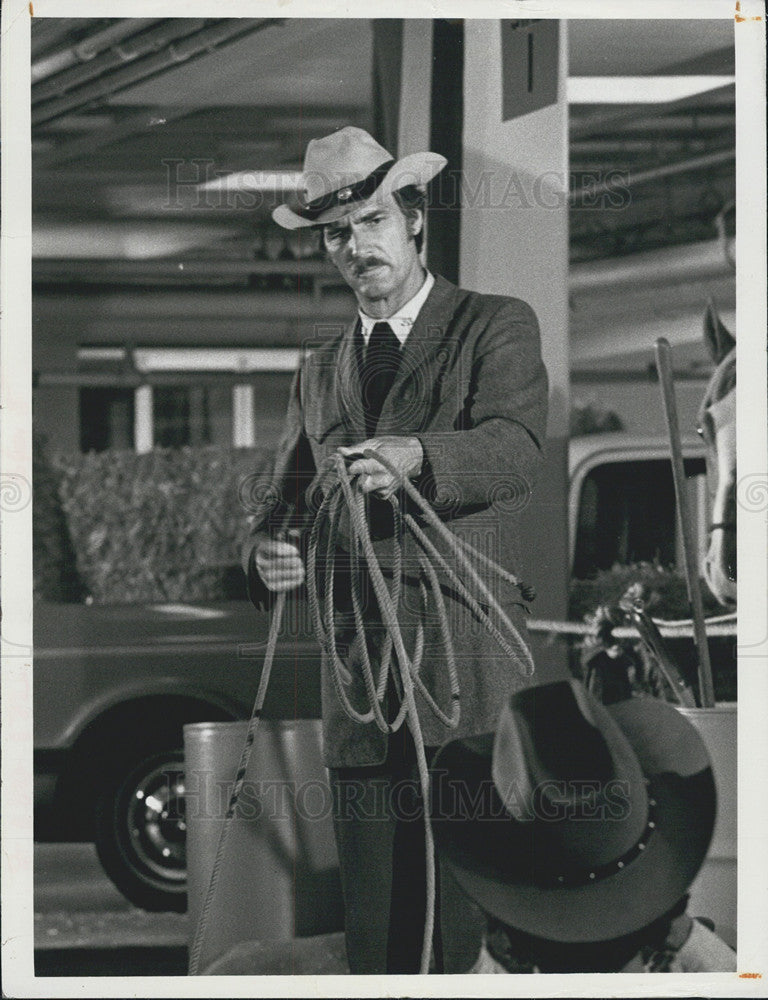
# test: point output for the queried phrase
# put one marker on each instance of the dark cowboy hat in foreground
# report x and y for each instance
(346, 169)
(576, 822)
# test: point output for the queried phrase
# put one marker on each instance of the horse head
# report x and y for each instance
(717, 427)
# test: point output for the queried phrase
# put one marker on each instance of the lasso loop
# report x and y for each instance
(344, 497)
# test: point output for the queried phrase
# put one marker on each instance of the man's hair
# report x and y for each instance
(412, 199)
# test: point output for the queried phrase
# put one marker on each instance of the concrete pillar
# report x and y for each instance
(143, 420)
(514, 241)
(507, 180)
(415, 87)
(243, 422)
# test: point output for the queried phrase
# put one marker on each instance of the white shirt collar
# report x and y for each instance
(402, 321)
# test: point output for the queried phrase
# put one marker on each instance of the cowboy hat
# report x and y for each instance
(576, 822)
(344, 170)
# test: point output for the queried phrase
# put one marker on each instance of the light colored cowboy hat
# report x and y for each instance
(576, 822)
(344, 170)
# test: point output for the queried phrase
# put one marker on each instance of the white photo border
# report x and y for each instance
(16, 517)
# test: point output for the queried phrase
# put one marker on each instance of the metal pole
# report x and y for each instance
(88, 48)
(188, 47)
(115, 57)
(652, 638)
(664, 364)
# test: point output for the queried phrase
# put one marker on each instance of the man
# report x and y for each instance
(450, 390)
(578, 829)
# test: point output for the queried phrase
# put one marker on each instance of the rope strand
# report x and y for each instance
(245, 756)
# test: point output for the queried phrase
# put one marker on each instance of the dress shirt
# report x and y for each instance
(402, 321)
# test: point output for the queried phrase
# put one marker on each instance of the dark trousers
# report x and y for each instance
(379, 825)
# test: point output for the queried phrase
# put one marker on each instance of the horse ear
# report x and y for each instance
(717, 337)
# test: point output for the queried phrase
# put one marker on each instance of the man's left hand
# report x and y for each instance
(404, 453)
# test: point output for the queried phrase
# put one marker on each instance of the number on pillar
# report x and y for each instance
(529, 60)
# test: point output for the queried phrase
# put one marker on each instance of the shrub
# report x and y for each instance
(53, 558)
(166, 525)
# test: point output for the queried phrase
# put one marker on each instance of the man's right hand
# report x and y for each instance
(279, 563)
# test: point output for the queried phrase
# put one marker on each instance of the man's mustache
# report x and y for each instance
(364, 263)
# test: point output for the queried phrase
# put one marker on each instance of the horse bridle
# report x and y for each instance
(729, 525)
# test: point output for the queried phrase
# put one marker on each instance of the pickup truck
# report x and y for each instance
(114, 685)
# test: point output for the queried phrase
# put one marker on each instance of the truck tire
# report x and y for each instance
(141, 829)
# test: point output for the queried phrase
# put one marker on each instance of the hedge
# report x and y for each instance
(665, 590)
(53, 557)
(166, 525)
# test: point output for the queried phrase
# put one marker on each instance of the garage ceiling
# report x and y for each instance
(121, 106)
(634, 47)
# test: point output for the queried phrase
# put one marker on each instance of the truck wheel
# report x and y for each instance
(141, 830)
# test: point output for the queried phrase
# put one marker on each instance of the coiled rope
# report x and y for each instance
(403, 667)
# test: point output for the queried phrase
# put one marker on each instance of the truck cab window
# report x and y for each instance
(627, 515)
(106, 418)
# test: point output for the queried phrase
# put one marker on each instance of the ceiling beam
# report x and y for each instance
(589, 192)
(714, 63)
(593, 124)
(85, 145)
(229, 120)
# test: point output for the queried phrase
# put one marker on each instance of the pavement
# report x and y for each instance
(84, 926)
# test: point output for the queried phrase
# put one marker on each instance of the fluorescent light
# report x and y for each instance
(221, 359)
(640, 89)
(255, 180)
(101, 354)
(119, 239)
(72, 123)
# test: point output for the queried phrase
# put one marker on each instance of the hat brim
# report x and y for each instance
(417, 169)
(494, 860)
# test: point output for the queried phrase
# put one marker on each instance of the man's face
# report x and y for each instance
(374, 250)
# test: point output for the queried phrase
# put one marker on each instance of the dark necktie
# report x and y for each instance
(382, 359)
